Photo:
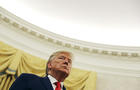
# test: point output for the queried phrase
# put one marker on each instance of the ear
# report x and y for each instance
(49, 65)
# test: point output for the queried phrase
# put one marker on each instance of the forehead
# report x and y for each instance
(68, 55)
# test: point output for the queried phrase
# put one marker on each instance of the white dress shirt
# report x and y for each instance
(53, 81)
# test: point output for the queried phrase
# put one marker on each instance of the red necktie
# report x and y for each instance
(58, 86)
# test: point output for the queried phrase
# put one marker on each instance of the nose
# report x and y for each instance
(66, 62)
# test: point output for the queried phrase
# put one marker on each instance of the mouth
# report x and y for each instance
(65, 67)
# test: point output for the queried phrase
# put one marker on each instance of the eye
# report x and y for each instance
(61, 58)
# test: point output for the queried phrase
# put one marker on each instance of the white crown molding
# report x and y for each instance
(94, 48)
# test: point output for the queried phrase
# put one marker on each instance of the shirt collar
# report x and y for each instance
(53, 80)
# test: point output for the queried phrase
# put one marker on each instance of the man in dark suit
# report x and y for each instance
(58, 68)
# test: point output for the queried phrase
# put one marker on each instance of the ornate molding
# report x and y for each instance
(92, 48)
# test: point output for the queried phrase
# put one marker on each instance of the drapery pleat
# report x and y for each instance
(13, 62)
(81, 80)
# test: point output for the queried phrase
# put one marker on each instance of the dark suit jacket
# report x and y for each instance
(32, 82)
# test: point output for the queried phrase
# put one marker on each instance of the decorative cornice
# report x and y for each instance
(92, 48)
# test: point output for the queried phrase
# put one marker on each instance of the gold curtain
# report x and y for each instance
(13, 62)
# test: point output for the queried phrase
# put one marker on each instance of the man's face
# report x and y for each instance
(61, 63)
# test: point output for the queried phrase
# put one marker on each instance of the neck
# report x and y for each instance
(59, 76)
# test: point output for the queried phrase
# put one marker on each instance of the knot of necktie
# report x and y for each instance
(58, 86)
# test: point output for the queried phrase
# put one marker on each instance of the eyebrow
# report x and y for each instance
(61, 57)
(65, 57)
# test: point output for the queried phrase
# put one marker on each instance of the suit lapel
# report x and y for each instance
(47, 83)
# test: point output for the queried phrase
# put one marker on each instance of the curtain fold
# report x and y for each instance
(13, 62)
(81, 80)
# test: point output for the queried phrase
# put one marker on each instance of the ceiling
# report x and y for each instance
(113, 22)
